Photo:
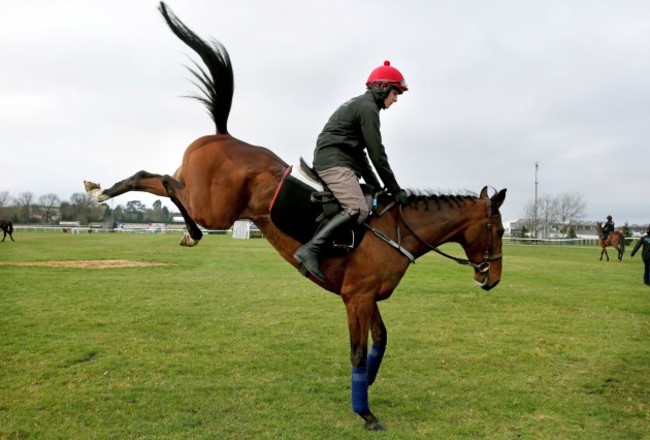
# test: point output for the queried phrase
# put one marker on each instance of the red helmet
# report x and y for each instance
(387, 74)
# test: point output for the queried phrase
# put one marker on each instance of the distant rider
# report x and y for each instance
(608, 227)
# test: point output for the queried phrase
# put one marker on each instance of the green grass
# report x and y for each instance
(226, 340)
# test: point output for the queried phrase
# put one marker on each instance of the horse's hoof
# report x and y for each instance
(95, 191)
(374, 426)
(187, 241)
(90, 185)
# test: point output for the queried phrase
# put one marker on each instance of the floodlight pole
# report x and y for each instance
(535, 203)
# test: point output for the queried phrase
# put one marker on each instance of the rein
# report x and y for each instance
(482, 266)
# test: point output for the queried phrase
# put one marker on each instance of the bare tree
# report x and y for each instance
(571, 207)
(561, 210)
(4, 198)
(85, 208)
(49, 206)
(547, 213)
(530, 214)
(24, 204)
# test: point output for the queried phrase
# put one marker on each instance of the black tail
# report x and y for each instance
(218, 85)
(622, 243)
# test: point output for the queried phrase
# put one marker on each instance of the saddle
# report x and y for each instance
(303, 204)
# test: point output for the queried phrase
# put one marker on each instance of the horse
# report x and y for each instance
(614, 239)
(222, 179)
(7, 228)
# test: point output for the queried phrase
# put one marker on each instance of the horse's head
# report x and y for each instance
(482, 240)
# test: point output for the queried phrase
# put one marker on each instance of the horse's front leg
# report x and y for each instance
(359, 318)
(378, 348)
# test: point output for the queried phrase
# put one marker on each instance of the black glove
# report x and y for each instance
(401, 197)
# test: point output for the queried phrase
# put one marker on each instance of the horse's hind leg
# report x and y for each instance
(175, 190)
(140, 181)
(164, 186)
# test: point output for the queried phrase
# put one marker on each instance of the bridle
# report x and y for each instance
(483, 265)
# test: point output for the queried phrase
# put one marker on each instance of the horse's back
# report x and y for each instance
(228, 179)
(223, 150)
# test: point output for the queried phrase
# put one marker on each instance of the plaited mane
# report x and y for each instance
(432, 196)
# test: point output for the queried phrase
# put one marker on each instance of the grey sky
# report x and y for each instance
(93, 90)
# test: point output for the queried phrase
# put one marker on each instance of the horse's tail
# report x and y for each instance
(622, 242)
(216, 85)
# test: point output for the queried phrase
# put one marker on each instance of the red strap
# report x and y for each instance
(287, 171)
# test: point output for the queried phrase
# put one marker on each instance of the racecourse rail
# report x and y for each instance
(147, 228)
(241, 229)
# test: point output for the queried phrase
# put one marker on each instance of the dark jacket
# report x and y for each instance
(645, 241)
(607, 228)
(351, 130)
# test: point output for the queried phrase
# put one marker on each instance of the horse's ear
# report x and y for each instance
(484, 194)
(498, 198)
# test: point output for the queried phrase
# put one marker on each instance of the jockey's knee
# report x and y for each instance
(357, 214)
(362, 212)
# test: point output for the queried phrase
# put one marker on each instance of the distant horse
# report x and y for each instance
(614, 239)
(7, 228)
(223, 179)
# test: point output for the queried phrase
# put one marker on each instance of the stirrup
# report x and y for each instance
(347, 246)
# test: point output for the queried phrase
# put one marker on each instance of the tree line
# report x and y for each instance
(563, 209)
(557, 213)
(49, 209)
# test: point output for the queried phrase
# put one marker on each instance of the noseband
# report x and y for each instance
(483, 265)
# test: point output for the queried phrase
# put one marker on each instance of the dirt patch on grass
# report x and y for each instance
(84, 264)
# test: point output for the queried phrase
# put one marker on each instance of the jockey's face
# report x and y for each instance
(391, 98)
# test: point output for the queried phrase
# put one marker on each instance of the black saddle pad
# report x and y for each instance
(293, 212)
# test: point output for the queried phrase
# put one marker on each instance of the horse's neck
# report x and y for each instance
(442, 222)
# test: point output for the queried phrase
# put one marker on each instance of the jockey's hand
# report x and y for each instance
(401, 197)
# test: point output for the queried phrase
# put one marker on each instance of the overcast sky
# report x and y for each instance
(94, 90)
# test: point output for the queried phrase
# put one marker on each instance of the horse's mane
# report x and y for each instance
(216, 85)
(437, 197)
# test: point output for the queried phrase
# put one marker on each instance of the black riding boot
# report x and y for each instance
(308, 254)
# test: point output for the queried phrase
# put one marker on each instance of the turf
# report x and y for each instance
(226, 340)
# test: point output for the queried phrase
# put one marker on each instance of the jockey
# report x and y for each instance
(608, 227)
(350, 136)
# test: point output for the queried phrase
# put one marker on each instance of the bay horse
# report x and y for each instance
(7, 229)
(222, 179)
(614, 239)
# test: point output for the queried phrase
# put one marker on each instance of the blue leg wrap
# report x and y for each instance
(360, 390)
(374, 361)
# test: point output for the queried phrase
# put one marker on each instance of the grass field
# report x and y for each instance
(226, 340)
